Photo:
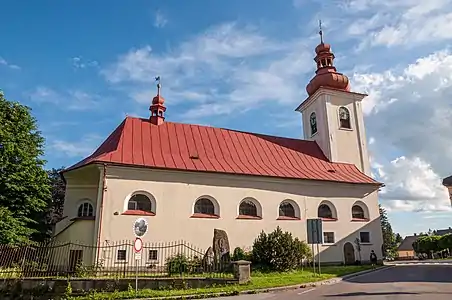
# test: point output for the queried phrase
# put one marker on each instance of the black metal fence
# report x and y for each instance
(114, 259)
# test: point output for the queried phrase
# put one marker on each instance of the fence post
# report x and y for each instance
(242, 271)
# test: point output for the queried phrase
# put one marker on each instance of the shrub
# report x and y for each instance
(177, 264)
(238, 254)
(279, 251)
(180, 263)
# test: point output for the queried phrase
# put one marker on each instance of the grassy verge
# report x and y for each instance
(259, 281)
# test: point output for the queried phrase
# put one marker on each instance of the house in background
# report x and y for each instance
(441, 232)
(405, 250)
(186, 180)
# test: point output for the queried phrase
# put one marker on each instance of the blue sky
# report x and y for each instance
(83, 66)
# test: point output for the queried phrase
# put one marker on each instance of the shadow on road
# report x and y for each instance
(408, 273)
(370, 294)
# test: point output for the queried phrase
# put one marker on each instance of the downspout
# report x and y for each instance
(104, 188)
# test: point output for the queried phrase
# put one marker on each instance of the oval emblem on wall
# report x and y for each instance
(140, 227)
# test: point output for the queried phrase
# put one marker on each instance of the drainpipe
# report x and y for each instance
(104, 188)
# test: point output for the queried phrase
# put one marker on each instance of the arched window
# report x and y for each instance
(140, 202)
(344, 118)
(85, 210)
(248, 208)
(324, 211)
(358, 212)
(313, 123)
(286, 209)
(204, 206)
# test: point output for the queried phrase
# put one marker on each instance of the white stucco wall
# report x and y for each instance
(176, 192)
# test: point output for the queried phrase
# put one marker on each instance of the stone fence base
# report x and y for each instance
(55, 288)
(36, 288)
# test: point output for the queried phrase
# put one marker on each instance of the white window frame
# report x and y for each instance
(370, 238)
(323, 237)
(149, 256)
(135, 204)
(121, 260)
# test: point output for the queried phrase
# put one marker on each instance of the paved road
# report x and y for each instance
(394, 283)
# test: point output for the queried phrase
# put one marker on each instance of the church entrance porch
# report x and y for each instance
(349, 253)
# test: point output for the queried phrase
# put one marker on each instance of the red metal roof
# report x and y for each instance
(137, 142)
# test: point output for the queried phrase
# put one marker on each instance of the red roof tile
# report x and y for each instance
(137, 142)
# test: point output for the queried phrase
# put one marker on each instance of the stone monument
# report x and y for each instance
(221, 249)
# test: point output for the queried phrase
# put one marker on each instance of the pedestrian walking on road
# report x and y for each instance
(373, 259)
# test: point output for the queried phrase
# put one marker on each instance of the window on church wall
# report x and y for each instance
(204, 206)
(140, 202)
(324, 211)
(364, 237)
(313, 123)
(344, 118)
(85, 210)
(358, 212)
(248, 208)
(286, 209)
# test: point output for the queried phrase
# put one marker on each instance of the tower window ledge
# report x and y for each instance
(329, 219)
(346, 129)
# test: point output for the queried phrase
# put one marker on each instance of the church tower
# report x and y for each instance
(332, 114)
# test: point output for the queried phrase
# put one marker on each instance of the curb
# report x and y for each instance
(270, 290)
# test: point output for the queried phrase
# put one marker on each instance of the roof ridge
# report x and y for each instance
(260, 154)
(230, 129)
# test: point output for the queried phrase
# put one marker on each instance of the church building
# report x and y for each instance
(182, 181)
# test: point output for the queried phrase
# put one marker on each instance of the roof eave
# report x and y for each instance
(324, 89)
(375, 183)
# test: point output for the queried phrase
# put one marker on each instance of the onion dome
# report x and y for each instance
(326, 74)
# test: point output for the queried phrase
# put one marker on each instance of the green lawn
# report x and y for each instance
(259, 281)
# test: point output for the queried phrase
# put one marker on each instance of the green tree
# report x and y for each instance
(53, 211)
(388, 234)
(24, 184)
(445, 241)
(398, 239)
(427, 244)
(58, 190)
(279, 251)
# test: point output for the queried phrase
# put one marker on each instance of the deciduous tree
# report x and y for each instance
(24, 184)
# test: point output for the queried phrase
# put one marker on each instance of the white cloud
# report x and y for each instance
(390, 23)
(80, 63)
(160, 20)
(81, 148)
(70, 100)
(410, 112)
(411, 184)
(249, 67)
(5, 63)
